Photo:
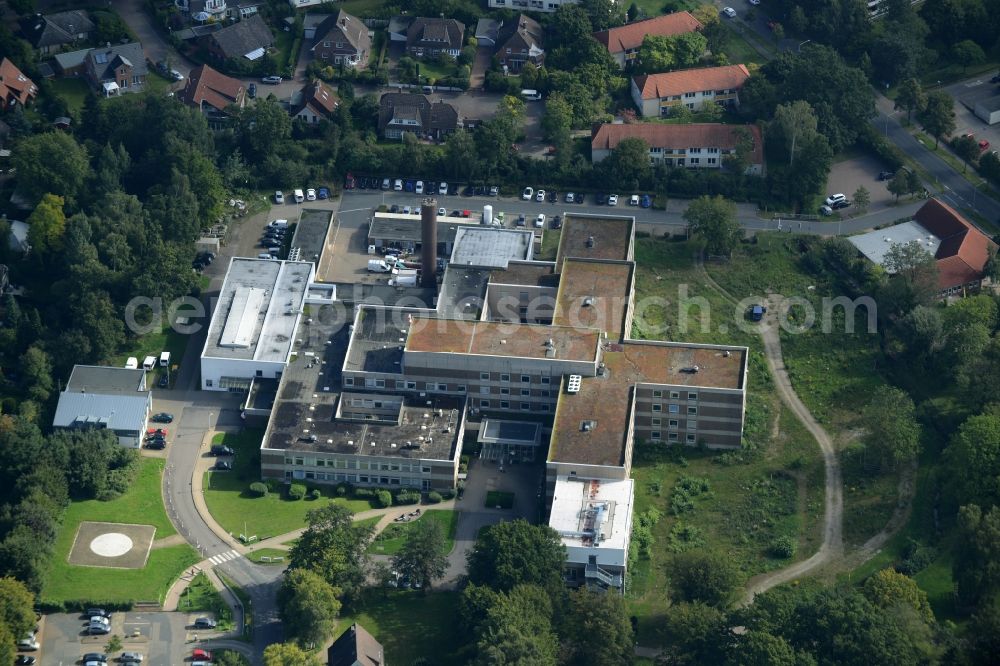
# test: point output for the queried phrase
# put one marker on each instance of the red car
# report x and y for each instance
(201, 655)
(157, 431)
(349, 182)
(983, 145)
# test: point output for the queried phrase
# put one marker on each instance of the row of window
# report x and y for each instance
(690, 438)
(341, 463)
(524, 406)
(409, 385)
(676, 395)
(425, 484)
(674, 409)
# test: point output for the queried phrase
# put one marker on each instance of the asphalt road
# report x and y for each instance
(672, 217)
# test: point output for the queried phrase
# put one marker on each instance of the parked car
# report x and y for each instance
(204, 623)
(729, 12)
(252, 90)
(825, 210)
(453, 189)
(24, 660)
(271, 80)
(398, 185)
(553, 197)
(409, 185)
(520, 221)
(983, 145)
(633, 200)
(442, 212)
(527, 193)
(27, 644)
(885, 175)
(540, 221)
(201, 655)
(95, 656)
(156, 444)
(131, 656)
(149, 433)
(570, 197)
(601, 199)
(323, 193)
(310, 194)
(613, 200)
(221, 450)
(557, 222)
(494, 191)
(540, 195)
(467, 192)
(162, 417)
(386, 184)
(834, 198)
(443, 189)
(164, 380)
(840, 204)
(995, 79)
(646, 201)
(349, 182)
(420, 187)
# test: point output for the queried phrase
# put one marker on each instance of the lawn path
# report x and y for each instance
(833, 516)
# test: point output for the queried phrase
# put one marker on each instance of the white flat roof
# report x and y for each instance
(875, 244)
(594, 517)
(242, 317)
(257, 309)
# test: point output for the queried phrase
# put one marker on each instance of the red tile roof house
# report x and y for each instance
(696, 145)
(656, 94)
(623, 42)
(314, 103)
(963, 252)
(15, 87)
(212, 92)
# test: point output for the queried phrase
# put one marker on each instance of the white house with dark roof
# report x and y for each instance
(106, 397)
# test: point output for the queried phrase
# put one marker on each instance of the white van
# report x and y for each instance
(149, 363)
(132, 363)
(264, 255)
(299, 196)
(278, 224)
(531, 95)
(378, 266)
(164, 359)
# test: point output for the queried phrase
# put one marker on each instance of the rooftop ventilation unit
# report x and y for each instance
(587, 426)
(590, 241)
(588, 301)
(573, 385)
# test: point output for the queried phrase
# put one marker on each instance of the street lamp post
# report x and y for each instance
(210, 415)
(801, 44)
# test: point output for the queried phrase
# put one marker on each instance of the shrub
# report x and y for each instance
(383, 498)
(341, 490)
(315, 494)
(296, 491)
(783, 547)
(259, 489)
(364, 493)
(434, 497)
(448, 494)
(407, 497)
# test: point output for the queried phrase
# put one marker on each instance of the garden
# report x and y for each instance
(392, 538)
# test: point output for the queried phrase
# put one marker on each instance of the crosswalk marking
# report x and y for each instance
(224, 557)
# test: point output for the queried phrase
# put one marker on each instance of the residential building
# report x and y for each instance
(315, 102)
(398, 27)
(15, 87)
(530, 5)
(116, 69)
(355, 647)
(430, 37)
(54, 32)
(249, 38)
(212, 92)
(961, 250)
(342, 39)
(213, 9)
(105, 397)
(254, 322)
(519, 41)
(409, 112)
(696, 145)
(656, 94)
(623, 42)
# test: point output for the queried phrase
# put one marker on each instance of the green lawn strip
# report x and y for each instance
(948, 72)
(141, 505)
(236, 509)
(72, 91)
(244, 599)
(391, 540)
(498, 499)
(201, 596)
(151, 344)
(256, 556)
(362, 8)
(408, 624)
(67, 582)
(550, 244)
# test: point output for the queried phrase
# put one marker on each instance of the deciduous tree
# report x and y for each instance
(967, 52)
(704, 576)
(47, 224)
(596, 630)
(518, 630)
(423, 557)
(516, 552)
(713, 219)
(288, 654)
(910, 96)
(335, 547)
(50, 162)
(938, 115)
(967, 149)
(308, 606)
(888, 588)
(973, 458)
(976, 567)
(893, 434)
(862, 198)
(16, 606)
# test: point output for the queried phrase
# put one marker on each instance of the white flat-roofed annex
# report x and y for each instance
(257, 309)
(593, 517)
(876, 244)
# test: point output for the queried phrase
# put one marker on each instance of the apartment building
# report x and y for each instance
(624, 42)
(656, 94)
(695, 145)
(545, 6)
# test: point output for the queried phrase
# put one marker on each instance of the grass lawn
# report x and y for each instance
(499, 499)
(228, 496)
(409, 624)
(362, 8)
(752, 498)
(142, 504)
(201, 596)
(550, 244)
(72, 91)
(256, 556)
(390, 541)
(151, 344)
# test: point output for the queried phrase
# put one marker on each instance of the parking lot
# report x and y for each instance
(967, 94)
(163, 639)
(848, 175)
